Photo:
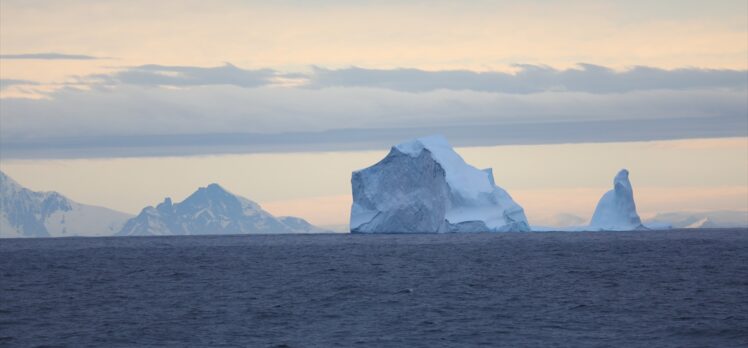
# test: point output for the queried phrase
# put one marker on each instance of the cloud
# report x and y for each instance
(137, 111)
(129, 120)
(181, 76)
(49, 56)
(370, 139)
(532, 79)
(528, 79)
(5, 83)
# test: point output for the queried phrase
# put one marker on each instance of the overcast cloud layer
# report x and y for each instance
(180, 76)
(527, 79)
(533, 79)
(157, 110)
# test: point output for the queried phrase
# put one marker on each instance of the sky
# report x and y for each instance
(121, 104)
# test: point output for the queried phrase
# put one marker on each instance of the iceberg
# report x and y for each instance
(424, 186)
(616, 210)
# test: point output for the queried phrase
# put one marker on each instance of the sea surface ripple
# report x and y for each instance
(686, 288)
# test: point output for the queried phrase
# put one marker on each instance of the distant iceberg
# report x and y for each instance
(616, 210)
(424, 186)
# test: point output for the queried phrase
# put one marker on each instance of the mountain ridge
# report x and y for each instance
(211, 210)
(28, 213)
(25, 213)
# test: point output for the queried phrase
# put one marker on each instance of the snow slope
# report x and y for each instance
(300, 225)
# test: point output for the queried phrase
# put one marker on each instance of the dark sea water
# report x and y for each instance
(625, 289)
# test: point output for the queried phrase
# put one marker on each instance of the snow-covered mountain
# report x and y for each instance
(211, 210)
(300, 225)
(26, 213)
(424, 186)
(616, 210)
(707, 219)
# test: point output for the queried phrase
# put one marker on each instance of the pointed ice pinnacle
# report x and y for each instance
(616, 210)
(424, 186)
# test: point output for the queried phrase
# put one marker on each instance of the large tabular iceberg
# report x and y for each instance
(424, 186)
(616, 210)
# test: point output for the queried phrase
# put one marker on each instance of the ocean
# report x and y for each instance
(679, 288)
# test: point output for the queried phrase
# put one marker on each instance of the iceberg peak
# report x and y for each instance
(616, 209)
(464, 179)
(622, 178)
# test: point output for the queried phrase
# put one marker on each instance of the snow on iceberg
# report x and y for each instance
(616, 210)
(424, 186)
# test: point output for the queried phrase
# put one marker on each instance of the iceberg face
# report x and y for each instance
(616, 210)
(424, 186)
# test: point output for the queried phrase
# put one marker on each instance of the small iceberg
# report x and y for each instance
(616, 210)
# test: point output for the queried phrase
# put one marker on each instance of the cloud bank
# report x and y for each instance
(532, 79)
(6, 83)
(527, 79)
(182, 110)
(182, 76)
